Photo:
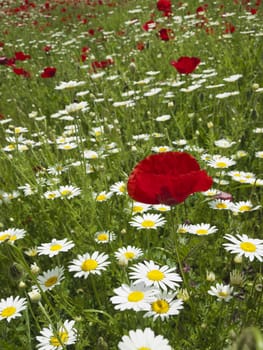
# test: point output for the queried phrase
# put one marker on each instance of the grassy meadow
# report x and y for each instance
(88, 89)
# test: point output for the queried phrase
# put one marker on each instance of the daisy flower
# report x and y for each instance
(104, 237)
(69, 191)
(211, 193)
(221, 291)
(138, 207)
(202, 229)
(183, 228)
(118, 188)
(11, 235)
(51, 278)
(51, 194)
(11, 308)
(220, 204)
(89, 264)
(67, 146)
(152, 274)
(164, 306)
(160, 149)
(128, 253)
(220, 162)
(102, 196)
(161, 207)
(55, 247)
(223, 143)
(50, 340)
(243, 206)
(69, 84)
(134, 297)
(243, 245)
(148, 221)
(143, 339)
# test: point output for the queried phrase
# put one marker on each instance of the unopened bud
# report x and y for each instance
(132, 67)
(183, 294)
(101, 344)
(16, 271)
(210, 276)
(34, 268)
(238, 259)
(34, 296)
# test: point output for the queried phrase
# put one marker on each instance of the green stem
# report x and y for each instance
(95, 291)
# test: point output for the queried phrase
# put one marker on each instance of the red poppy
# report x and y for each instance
(165, 34)
(21, 71)
(48, 72)
(167, 178)
(149, 25)
(185, 64)
(21, 56)
(165, 6)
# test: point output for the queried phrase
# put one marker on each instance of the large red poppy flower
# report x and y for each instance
(185, 64)
(167, 178)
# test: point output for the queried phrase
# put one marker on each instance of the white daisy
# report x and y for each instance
(11, 235)
(89, 264)
(147, 221)
(134, 297)
(223, 143)
(163, 118)
(211, 193)
(69, 84)
(104, 237)
(164, 306)
(221, 291)
(160, 149)
(102, 196)
(65, 335)
(69, 191)
(161, 207)
(152, 274)
(202, 229)
(118, 188)
(244, 206)
(67, 146)
(138, 207)
(183, 228)
(143, 340)
(220, 162)
(259, 154)
(220, 204)
(11, 308)
(51, 194)
(55, 247)
(51, 278)
(243, 245)
(128, 253)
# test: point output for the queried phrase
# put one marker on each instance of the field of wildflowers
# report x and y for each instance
(131, 169)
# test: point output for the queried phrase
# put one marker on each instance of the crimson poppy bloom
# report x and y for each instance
(48, 72)
(165, 6)
(21, 71)
(185, 64)
(21, 56)
(167, 178)
(165, 34)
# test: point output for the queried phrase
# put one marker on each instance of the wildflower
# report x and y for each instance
(11, 308)
(34, 296)
(227, 94)
(210, 276)
(119, 188)
(165, 6)
(50, 340)
(89, 264)
(183, 294)
(220, 204)
(164, 306)
(259, 154)
(185, 64)
(237, 278)
(134, 297)
(152, 274)
(202, 229)
(128, 253)
(183, 228)
(51, 194)
(244, 246)
(223, 143)
(67, 146)
(220, 162)
(31, 251)
(70, 84)
(55, 247)
(51, 278)
(48, 72)
(161, 149)
(243, 206)
(167, 178)
(11, 235)
(147, 221)
(163, 118)
(102, 196)
(144, 340)
(104, 237)
(221, 291)
(161, 207)
(138, 207)
(69, 192)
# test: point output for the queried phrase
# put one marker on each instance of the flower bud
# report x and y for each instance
(238, 259)
(34, 268)
(132, 67)
(183, 294)
(34, 296)
(210, 276)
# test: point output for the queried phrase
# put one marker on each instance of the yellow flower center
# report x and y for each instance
(155, 275)
(129, 255)
(160, 306)
(11, 146)
(162, 149)
(221, 206)
(12, 238)
(135, 296)
(8, 311)
(221, 164)
(4, 237)
(51, 281)
(248, 247)
(223, 294)
(63, 339)
(137, 209)
(144, 348)
(97, 133)
(101, 197)
(65, 192)
(52, 195)
(102, 237)
(245, 208)
(182, 230)
(148, 223)
(162, 209)
(89, 264)
(202, 231)
(122, 188)
(67, 146)
(55, 247)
